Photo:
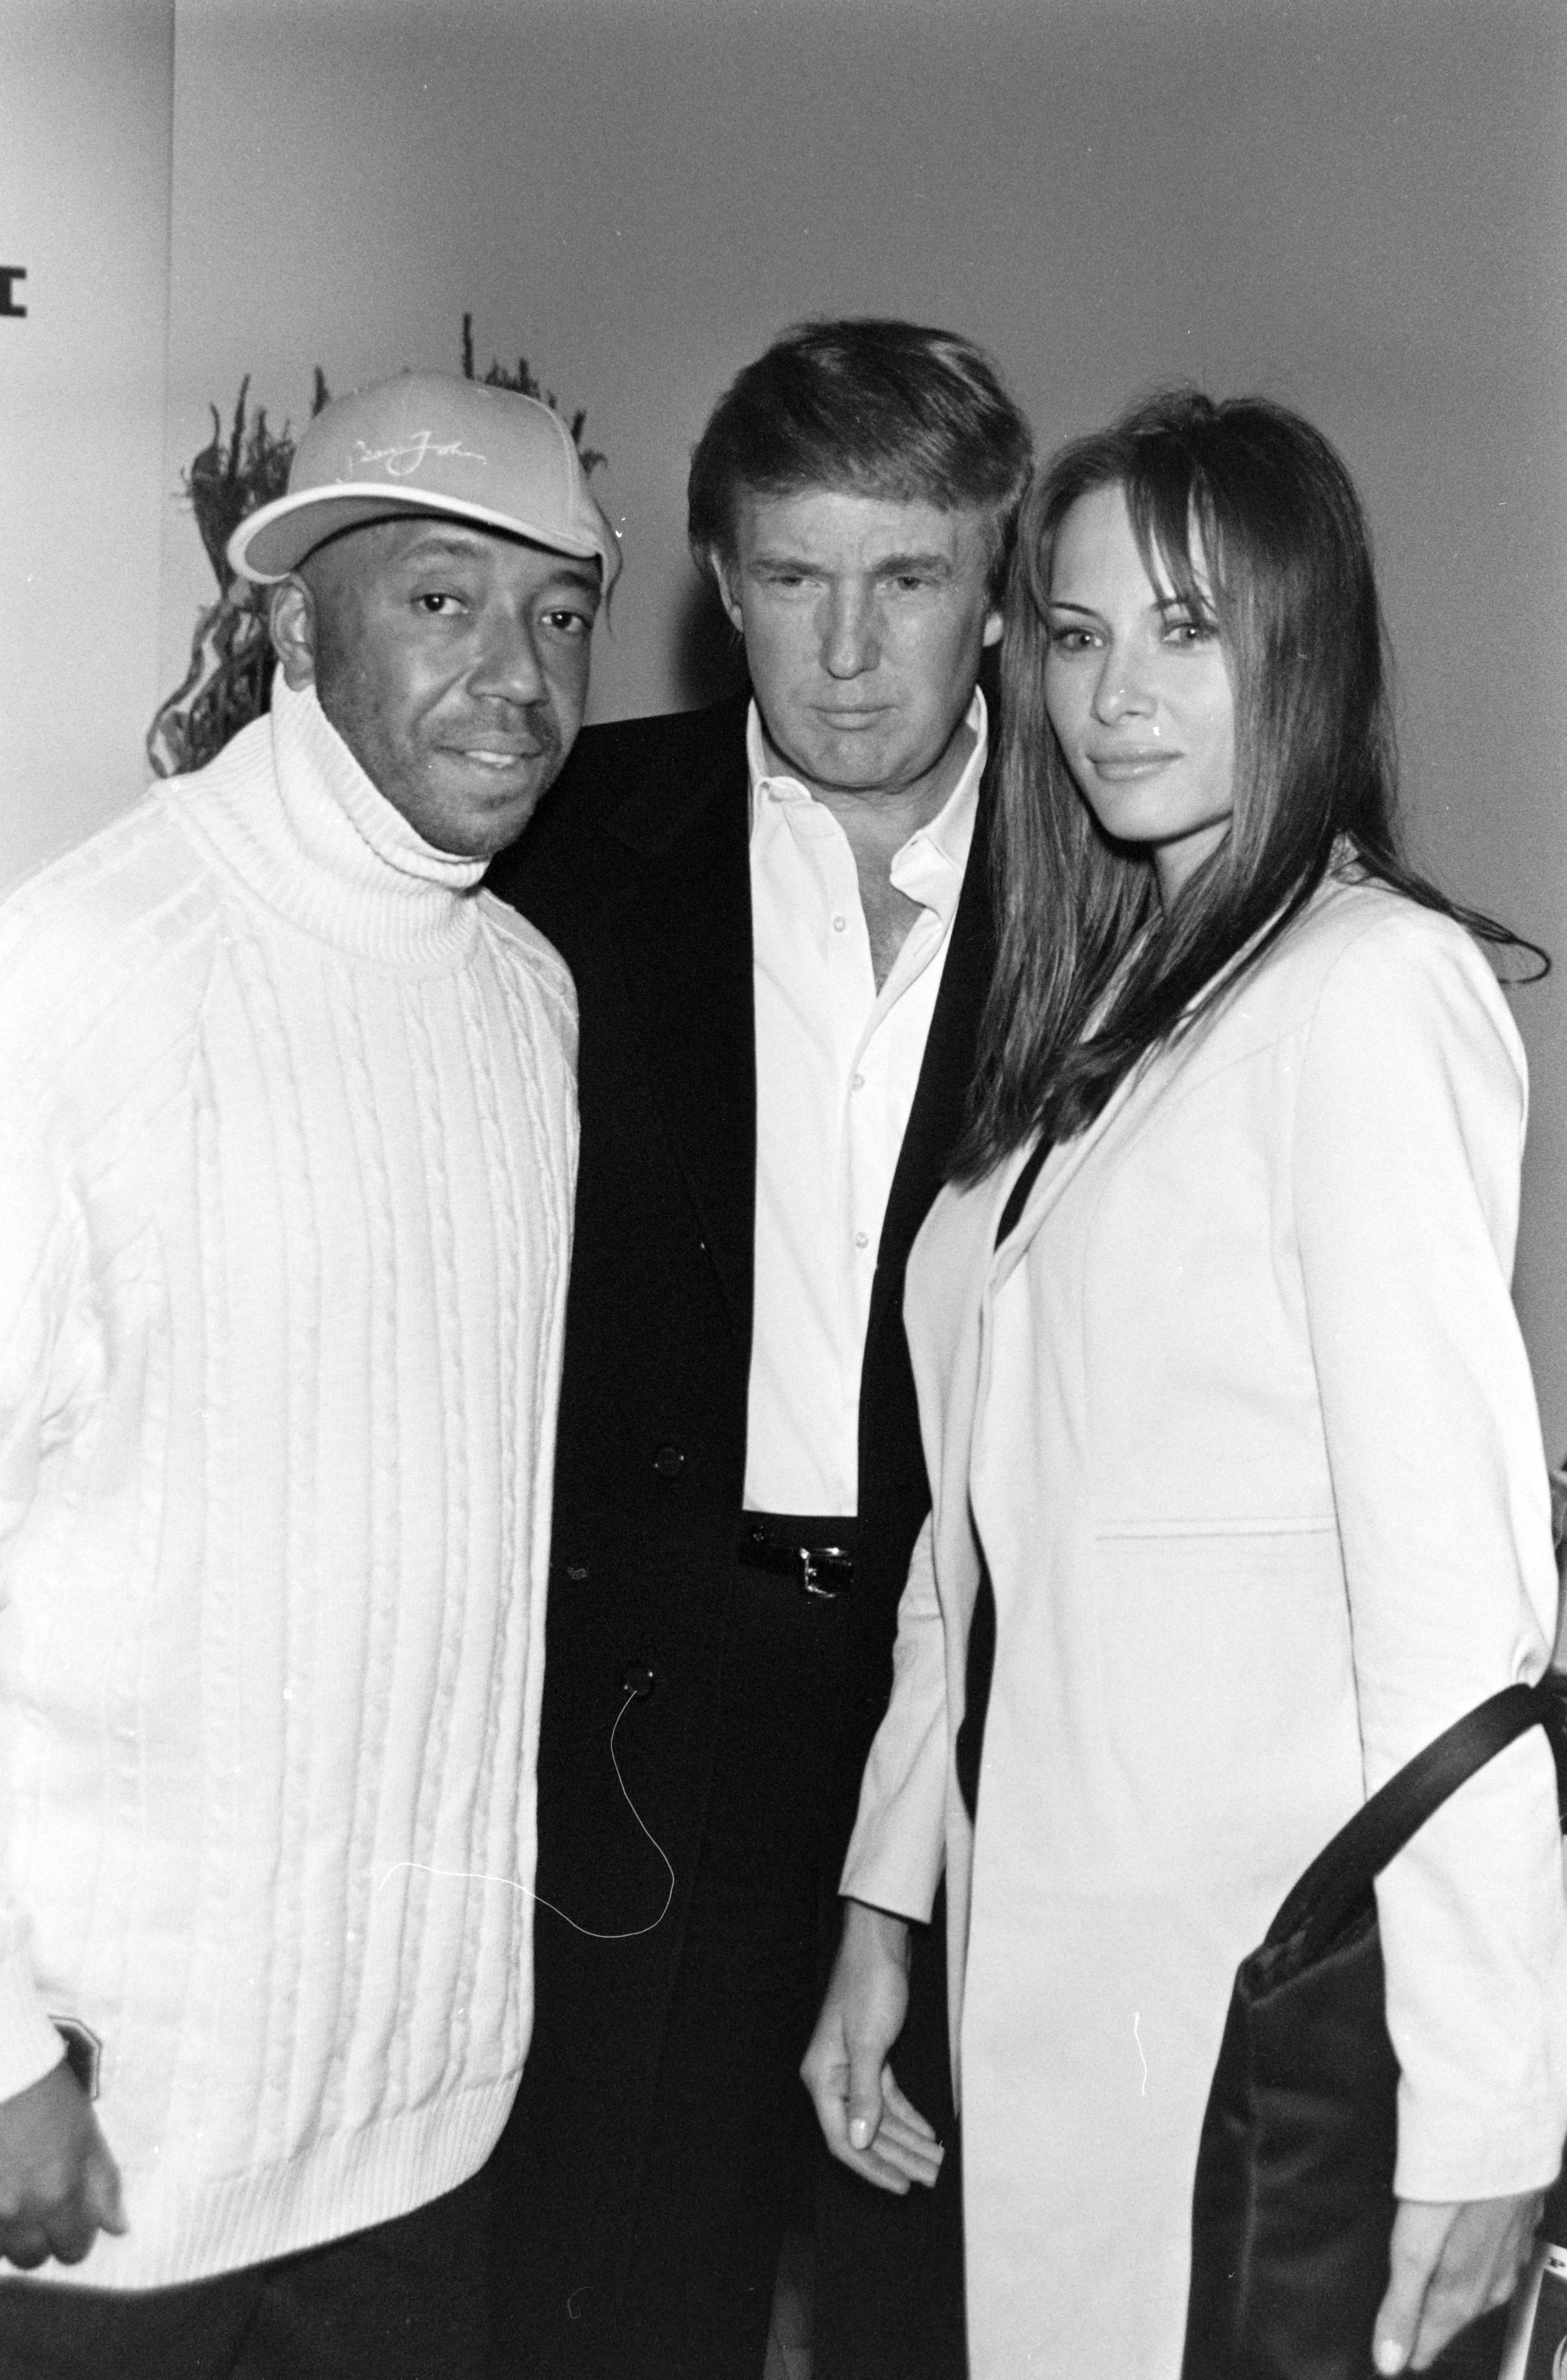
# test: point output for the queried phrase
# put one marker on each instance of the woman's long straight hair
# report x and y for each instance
(1091, 973)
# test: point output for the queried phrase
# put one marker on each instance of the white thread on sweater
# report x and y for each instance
(472, 1876)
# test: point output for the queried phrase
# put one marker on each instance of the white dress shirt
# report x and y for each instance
(837, 1063)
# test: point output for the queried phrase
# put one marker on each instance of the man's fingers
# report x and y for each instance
(70, 2232)
(23, 2244)
(101, 2195)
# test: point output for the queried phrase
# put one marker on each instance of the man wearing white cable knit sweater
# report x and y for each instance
(288, 1139)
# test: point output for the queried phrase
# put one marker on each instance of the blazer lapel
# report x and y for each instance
(1061, 1168)
(683, 940)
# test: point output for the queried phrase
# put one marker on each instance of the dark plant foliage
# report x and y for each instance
(527, 383)
(229, 680)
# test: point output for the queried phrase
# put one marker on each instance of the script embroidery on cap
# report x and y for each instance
(404, 460)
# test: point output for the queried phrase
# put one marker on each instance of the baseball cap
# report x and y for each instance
(429, 443)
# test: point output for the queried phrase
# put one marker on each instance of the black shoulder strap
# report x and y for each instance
(1340, 1878)
(1018, 1198)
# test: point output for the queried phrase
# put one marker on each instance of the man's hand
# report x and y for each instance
(59, 2187)
(1450, 2262)
(868, 2122)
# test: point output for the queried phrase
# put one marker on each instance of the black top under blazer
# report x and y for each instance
(636, 867)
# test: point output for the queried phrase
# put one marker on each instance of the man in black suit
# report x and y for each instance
(777, 916)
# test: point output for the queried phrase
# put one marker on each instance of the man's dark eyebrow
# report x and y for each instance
(463, 549)
(579, 574)
(887, 565)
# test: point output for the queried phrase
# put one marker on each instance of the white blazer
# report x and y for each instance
(1241, 1419)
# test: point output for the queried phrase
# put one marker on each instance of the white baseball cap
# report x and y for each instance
(429, 443)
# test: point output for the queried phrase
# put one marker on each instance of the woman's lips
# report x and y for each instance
(1121, 768)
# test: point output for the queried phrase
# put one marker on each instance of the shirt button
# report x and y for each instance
(669, 1462)
(859, 1083)
(839, 924)
(862, 1239)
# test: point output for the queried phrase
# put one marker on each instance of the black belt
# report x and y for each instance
(816, 1551)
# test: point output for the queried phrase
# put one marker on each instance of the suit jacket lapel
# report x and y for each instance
(940, 1097)
(682, 931)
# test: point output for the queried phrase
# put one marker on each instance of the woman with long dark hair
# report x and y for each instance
(1240, 1497)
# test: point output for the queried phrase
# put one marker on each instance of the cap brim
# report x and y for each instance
(273, 541)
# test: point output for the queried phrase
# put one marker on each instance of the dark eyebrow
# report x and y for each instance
(581, 574)
(440, 541)
(890, 564)
(441, 545)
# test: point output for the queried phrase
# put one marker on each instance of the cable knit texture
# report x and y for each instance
(288, 1137)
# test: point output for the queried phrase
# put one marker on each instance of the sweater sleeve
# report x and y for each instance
(896, 1851)
(1408, 1141)
(38, 1268)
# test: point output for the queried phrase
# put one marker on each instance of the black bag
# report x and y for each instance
(1292, 2206)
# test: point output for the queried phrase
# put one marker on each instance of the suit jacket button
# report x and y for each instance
(669, 1462)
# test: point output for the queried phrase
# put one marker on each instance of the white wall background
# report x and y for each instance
(86, 144)
(1358, 205)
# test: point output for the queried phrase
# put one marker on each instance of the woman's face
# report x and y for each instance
(1138, 692)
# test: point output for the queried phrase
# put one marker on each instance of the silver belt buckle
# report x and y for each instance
(811, 1573)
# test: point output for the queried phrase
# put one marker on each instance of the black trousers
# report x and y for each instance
(405, 2300)
(889, 2271)
(732, 2133)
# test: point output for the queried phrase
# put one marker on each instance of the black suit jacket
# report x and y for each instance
(638, 869)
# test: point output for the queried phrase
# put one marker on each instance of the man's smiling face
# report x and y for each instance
(453, 662)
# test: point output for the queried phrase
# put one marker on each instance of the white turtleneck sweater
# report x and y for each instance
(287, 1139)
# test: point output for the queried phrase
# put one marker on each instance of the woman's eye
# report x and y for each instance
(1071, 640)
(1191, 632)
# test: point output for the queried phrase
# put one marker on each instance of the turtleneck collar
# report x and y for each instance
(291, 809)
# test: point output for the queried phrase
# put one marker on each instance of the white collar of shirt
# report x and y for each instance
(929, 866)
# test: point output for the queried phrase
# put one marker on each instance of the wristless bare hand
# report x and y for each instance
(59, 2187)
